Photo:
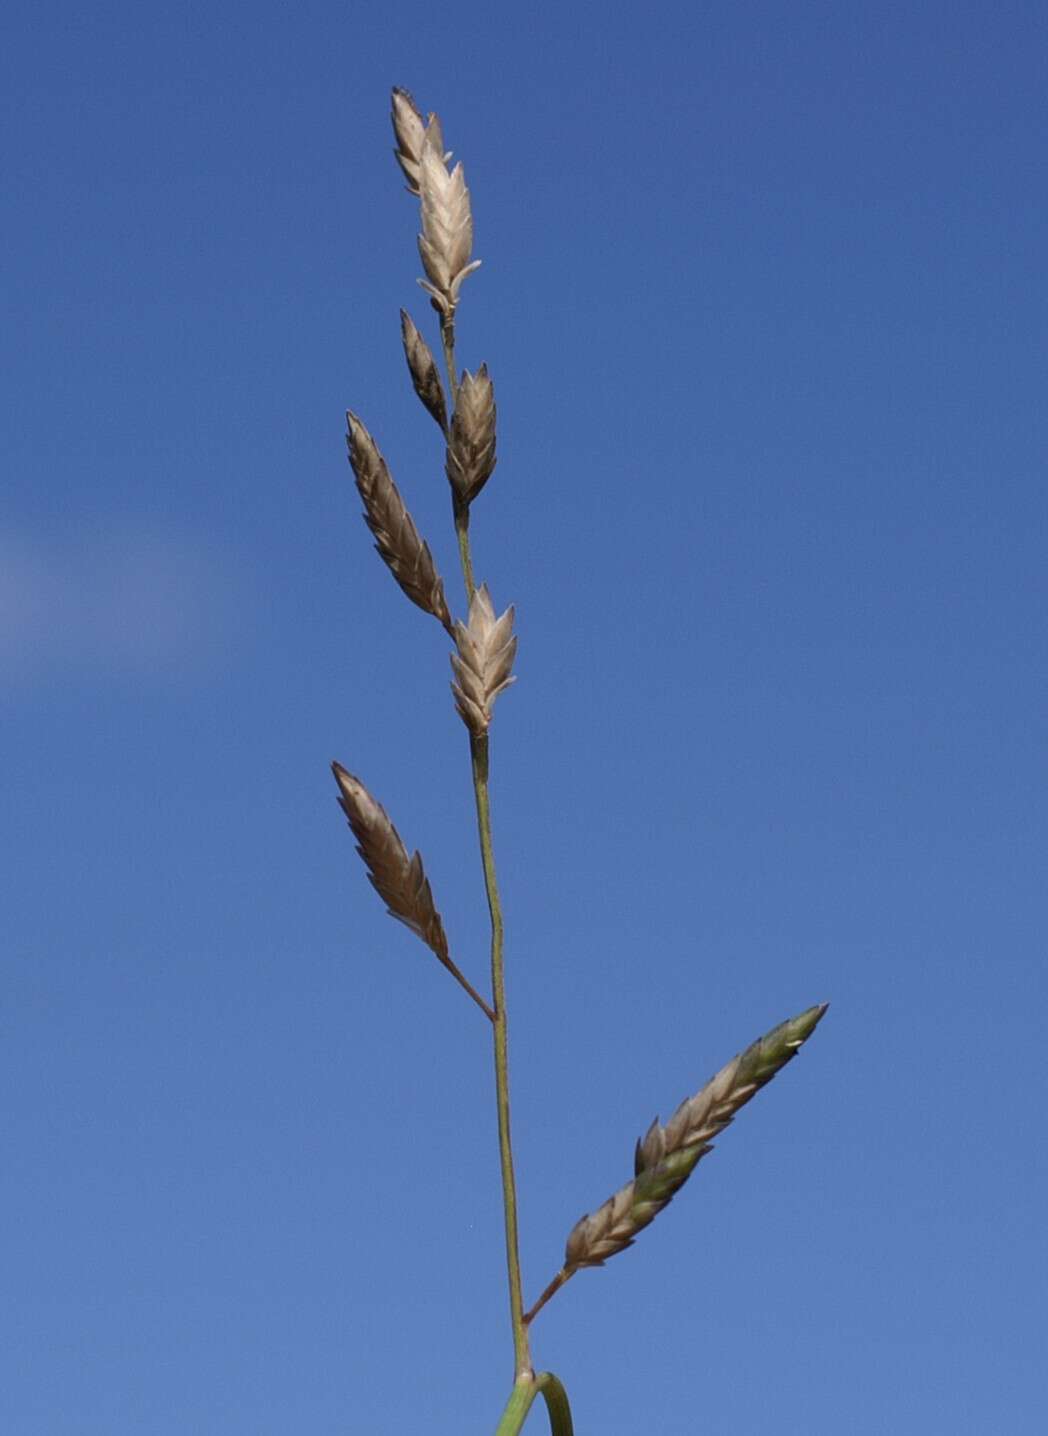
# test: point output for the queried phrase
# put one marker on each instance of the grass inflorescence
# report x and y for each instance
(482, 662)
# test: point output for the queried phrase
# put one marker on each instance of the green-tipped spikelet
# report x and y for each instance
(666, 1156)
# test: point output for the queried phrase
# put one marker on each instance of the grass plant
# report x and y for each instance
(482, 663)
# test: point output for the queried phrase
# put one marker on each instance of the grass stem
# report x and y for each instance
(462, 534)
(522, 1397)
(480, 758)
(447, 339)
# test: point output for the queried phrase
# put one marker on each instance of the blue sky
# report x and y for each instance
(763, 298)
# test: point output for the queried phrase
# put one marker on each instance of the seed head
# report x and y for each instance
(411, 131)
(471, 444)
(486, 649)
(400, 881)
(666, 1156)
(396, 537)
(446, 241)
(425, 375)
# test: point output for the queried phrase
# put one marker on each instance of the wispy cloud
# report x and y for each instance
(121, 596)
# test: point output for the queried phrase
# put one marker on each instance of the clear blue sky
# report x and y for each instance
(764, 301)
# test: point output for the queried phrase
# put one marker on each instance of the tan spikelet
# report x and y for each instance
(396, 537)
(486, 649)
(425, 376)
(666, 1156)
(400, 881)
(411, 130)
(446, 241)
(471, 443)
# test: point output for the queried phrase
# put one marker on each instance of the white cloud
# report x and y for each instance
(121, 596)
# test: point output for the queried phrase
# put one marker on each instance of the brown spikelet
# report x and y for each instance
(486, 649)
(425, 376)
(471, 444)
(399, 880)
(396, 537)
(446, 241)
(667, 1155)
(411, 131)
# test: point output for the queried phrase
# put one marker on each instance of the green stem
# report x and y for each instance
(462, 534)
(520, 1403)
(447, 339)
(479, 756)
(521, 1351)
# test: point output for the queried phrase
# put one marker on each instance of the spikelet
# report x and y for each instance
(613, 1226)
(446, 241)
(701, 1118)
(396, 536)
(400, 881)
(486, 649)
(411, 131)
(471, 444)
(666, 1156)
(425, 377)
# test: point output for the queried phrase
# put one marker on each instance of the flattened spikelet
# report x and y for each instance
(666, 1156)
(486, 650)
(400, 881)
(446, 241)
(411, 131)
(471, 444)
(396, 537)
(425, 376)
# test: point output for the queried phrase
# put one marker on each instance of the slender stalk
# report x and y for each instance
(521, 1351)
(479, 757)
(464, 982)
(521, 1400)
(447, 339)
(555, 1285)
(462, 534)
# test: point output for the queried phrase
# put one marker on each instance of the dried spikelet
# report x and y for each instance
(666, 1156)
(423, 369)
(396, 536)
(411, 130)
(399, 880)
(446, 241)
(471, 444)
(486, 649)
